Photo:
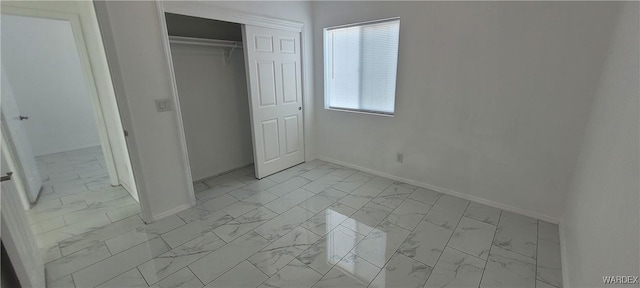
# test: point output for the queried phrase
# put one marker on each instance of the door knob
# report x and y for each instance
(299, 108)
(6, 178)
(23, 117)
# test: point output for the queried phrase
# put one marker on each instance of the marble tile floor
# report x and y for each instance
(315, 225)
(76, 199)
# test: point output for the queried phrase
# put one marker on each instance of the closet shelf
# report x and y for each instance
(205, 42)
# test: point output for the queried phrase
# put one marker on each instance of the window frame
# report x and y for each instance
(326, 72)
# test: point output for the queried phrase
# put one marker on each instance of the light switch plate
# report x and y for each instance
(163, 105)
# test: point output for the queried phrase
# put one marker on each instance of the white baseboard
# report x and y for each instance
(214, 175)
(563, 256)
(159, 216)
(446, 191)
(67, 149)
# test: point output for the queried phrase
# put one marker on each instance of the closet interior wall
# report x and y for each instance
(212, 90)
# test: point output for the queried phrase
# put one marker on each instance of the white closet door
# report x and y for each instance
(275, 96)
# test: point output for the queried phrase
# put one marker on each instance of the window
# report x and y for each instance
(360, 66)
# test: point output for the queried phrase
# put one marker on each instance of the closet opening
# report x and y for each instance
(209, 68)
(236, 83)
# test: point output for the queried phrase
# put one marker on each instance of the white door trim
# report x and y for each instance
(208, 11)
(205, 10)
(94, 64)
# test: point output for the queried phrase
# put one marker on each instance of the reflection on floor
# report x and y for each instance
(77, 198)
(316, 225)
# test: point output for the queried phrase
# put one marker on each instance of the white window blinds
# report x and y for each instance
(361, 65)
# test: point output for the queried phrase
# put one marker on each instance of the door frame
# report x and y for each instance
(94, 65)
(74, 20)
(208, 11)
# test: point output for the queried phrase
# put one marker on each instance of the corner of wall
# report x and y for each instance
(170, 212)
(604, 146)
(450, 192)
(563, 255)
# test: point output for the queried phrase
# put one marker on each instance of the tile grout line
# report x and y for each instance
(138, 269)
(171, 249)
(227, 223)
(278, 214)
(160, 280)
(474, 256)
(234, 266)
(394, 253)
(265, 274)
(96, 244)
(197, 234)
(490, 248)
(73, 279)
(453, 232)
(294, 258)
(516, 252)
(423, 219)
(108, 249)
(535, 277)
(356, 245)
(253, 230)
(114, 277)
(194, 274)
(93, 264)
(99, 228)
(552, 285)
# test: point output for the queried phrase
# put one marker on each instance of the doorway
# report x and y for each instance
(209, 66)
(62, 133)
(272, 65)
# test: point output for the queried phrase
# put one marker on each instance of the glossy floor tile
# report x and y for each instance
(75, 202)
(313, 225)
(402, 271)
(456, 269)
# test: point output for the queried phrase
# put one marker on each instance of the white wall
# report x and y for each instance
(215, 105)
(43, 67)
(599, 229)
(141, 73)
(492, 97)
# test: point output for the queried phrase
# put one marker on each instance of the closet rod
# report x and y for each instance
(204, 42)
